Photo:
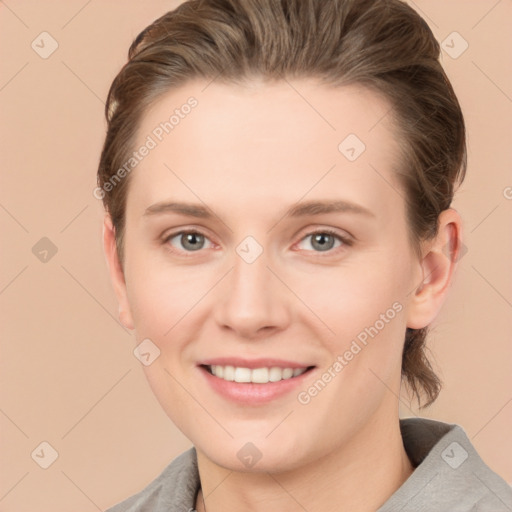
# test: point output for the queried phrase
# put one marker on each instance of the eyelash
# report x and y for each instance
(344, 240)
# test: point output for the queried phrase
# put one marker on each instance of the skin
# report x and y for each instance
(249, 153)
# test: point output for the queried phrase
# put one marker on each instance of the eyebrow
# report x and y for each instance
(298, 210)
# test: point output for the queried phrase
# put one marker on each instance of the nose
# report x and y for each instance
(252, 302)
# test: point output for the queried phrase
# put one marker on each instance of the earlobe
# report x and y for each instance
(116, 272)
(438, 264)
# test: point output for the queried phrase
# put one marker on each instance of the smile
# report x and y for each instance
(255, 375)
(254, 382)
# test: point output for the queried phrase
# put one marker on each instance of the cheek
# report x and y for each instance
(350, 299)
(163, 302)
(365, 308)
(364, 361)
(160, 296)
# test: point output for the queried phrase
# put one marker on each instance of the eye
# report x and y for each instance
(325, 240)
(193, 241)
(190, 241)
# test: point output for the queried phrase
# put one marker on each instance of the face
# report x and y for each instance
(260, 246)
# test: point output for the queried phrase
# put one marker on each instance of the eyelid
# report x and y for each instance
(170, 233)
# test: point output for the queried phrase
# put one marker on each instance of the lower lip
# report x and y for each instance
(250, 393)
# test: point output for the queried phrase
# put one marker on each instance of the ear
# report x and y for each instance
(116, 272)
(439, 261)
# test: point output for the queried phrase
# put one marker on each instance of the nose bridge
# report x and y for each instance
(252, 299)
(250, 278)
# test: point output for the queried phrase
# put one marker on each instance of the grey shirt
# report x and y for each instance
(449, 476)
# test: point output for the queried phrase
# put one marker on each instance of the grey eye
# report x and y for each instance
(321, 241)
(189, 241)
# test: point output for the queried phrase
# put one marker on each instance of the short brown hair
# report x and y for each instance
(381, 44)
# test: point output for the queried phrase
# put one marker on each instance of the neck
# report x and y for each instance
(357, 478)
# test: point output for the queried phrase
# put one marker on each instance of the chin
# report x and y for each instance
(254, 456)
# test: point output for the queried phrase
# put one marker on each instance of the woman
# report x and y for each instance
(277, 177)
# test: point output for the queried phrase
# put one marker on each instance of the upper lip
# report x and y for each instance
(264, 362)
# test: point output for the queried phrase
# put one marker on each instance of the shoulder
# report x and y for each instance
(449, 474)
(174, 488)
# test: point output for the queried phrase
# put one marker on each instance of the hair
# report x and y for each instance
(383, 45)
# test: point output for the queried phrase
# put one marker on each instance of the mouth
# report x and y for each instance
(254, 382)
(262, 375)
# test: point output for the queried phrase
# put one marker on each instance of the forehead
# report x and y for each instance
(265, 140)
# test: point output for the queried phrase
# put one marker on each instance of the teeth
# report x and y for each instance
(259, 375)
(287, 373)
(226, 372)
(242, 375)
(275, 374)
(256, 375)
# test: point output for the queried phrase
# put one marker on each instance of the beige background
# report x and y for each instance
(68, 373)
